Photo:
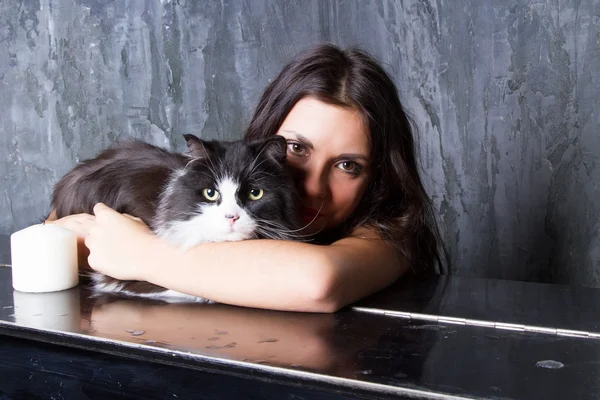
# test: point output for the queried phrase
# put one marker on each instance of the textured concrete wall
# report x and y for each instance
(505, 93)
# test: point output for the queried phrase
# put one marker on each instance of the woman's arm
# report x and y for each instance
(271, 274)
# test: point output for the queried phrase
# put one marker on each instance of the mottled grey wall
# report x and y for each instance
(505, 95)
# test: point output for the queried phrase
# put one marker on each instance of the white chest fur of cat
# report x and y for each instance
(222, 220)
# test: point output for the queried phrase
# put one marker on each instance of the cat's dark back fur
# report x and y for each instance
(127, 177)
(131, 176)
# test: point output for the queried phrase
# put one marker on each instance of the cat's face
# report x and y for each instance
(229, 192)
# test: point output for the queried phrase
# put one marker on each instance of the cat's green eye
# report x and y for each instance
(255, 194)
(210, 194)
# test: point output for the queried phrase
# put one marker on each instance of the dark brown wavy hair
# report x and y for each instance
(395, 202)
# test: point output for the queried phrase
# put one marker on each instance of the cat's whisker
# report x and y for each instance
(285, 236)
(314, 218)
(293, 234)
(254, 166)
(206, 162)
(321, 207)
(213, 169)
(267, 234)
(189, 162)
(263, 174)
(275, 224)
(284, 228)
(207, 166)
(311, 222)
(308, 224)
(279, 226)
(277, 235)
(207, 174)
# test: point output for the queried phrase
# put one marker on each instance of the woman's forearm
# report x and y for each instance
(269, 274)
(272, 274)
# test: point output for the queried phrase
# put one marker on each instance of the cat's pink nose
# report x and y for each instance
(232, 217)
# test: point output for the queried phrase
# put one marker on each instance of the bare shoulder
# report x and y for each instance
(367, 243)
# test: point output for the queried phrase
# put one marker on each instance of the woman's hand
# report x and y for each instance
(79, 224)
(119, 244)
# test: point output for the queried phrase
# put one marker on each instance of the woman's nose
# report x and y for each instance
(314, 184)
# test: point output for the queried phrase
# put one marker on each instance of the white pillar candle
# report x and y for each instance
(44, 259)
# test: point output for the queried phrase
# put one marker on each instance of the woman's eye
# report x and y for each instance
(255, 194)
(350, 167)
(210, 194)
(296, 149)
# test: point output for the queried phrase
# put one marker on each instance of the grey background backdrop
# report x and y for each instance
(505, 95)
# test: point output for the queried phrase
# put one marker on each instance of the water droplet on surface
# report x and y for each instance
(136, 332)
(550, 364)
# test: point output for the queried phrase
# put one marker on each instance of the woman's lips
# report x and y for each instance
(309, 214)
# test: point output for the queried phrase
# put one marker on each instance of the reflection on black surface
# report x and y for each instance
(56, 372)
(256, 336)
(360, 347)
(534, 304)
(346, 344)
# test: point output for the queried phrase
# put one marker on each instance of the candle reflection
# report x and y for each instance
(58, 311)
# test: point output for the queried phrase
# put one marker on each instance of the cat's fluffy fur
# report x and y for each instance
(167, 191)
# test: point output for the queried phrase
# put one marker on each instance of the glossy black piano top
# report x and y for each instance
(414, 339)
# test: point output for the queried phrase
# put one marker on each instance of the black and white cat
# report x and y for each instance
(218, 191)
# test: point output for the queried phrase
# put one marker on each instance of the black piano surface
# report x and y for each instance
(443, 338)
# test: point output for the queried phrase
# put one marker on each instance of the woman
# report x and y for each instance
(351, 148)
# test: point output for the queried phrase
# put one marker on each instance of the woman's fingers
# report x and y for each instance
(116, 242)
(138, 219)
(102, 211)
(106, 213)
(78, 223)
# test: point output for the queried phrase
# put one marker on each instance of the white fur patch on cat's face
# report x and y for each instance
(214, 221)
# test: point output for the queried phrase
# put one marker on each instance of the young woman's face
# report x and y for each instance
(328, 151)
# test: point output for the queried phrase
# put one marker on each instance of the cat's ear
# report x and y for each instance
(275, 148)
(196, 147)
